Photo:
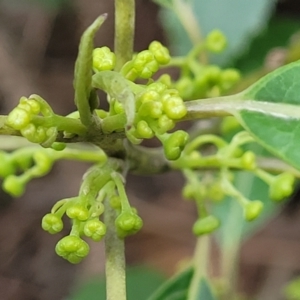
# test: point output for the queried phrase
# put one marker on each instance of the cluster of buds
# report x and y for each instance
(26, 118)
(85, 211)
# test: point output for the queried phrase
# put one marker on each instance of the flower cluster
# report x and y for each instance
(31, 162)
(147, 62)
(204, 188)
(26, 118)
(85, 211)
(158, 107)
(197, 79)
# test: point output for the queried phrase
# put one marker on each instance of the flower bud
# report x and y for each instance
(253, 209)
(103, 59)
(14, 185)
(206, 225)
(216, 41)
(95, 229)
(77, 211)
(52, 223)
(72, 248)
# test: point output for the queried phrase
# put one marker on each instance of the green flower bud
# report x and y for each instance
(95, 229)
(165, 124)
(143, 130)
(228, 78)
(115, 202)
(34, 134)
(216, 41)
(166, 80)
(215, 192)
(160, 53)
(188, 192)
(18, 118)
(145, 64)
(128, 223)
(175, 144)
(248, 160)
(212, 74)
(282, 186)
(118, 107)
(78, 211)
(58, 146)
(151, 109)
(185, 87)
(206, 225)
(229, 124)
(149, 95)
(174, 108)
(35, 107)
(43, 161)
(52, 223)
(14, 185)
(158, 87)
(103, 59)
(252, 210)
(7, 166)
(72, 248)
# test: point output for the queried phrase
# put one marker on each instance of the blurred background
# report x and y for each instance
(38, 48)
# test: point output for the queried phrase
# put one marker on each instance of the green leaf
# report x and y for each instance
(238, 20)
(175, 288)
(205, 291)
(277, 34)
(274, 117)
(141, 282)
(83, 71)
(116, 86)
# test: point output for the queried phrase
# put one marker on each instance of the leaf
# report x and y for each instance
(175, 288)
(116, 86)
(239, 21)
(83, 71)
(277, 34)
(141, 282)
(205, 291)
(274, 119)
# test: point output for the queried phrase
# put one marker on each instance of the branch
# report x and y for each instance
(124, 31)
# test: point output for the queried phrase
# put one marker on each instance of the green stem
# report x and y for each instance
(201, 262)
(229, 269)
(115, 258)
(69, 125)
(124, 31)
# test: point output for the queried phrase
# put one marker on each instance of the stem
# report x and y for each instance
(229, 267)
(124, 31)
(61, 123)
(115, 258)
(188, 20)
(201, 261)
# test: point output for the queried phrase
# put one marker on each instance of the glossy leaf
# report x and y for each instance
(175, 288)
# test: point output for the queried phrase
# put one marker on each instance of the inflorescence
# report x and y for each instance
(142, 105)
